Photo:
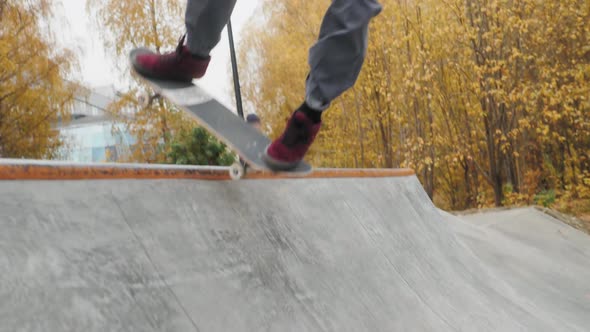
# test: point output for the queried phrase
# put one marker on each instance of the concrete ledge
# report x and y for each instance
(26, 169)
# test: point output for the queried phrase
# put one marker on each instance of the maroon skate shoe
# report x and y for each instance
(288, 150)
(179, 65)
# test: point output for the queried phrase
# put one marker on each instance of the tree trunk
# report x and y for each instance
(361, 133)
(492, 156)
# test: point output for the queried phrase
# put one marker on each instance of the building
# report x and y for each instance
(92, 135)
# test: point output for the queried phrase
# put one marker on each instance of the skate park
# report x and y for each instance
(131, 247)
(457, 133)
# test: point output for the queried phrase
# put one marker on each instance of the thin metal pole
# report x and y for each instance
(234, 67)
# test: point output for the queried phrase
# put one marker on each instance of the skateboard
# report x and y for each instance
(222, 122)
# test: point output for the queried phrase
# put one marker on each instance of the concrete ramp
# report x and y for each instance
(546, 260)
(344, 253)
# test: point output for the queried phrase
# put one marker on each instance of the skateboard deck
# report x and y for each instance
(220, 121)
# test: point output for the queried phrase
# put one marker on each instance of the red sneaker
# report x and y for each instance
(179, 65)
(288, 150)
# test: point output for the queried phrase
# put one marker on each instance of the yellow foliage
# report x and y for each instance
(472, 95)
(156, 25)
(129, 24)
(34, 94)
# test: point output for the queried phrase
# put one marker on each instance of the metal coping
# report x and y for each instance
(27, 169)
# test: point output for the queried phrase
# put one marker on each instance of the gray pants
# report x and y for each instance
(335, 60)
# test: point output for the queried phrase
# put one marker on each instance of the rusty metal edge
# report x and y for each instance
(25, 169)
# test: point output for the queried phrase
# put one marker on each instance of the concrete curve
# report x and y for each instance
(345, 253)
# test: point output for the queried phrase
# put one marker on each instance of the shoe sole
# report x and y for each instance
(277, 164)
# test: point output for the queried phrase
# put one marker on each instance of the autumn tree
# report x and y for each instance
(486, 100)
(34, 94)
(521, 69)
(125, 25)
(560, 80)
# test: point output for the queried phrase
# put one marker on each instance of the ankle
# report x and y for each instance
(314, 115)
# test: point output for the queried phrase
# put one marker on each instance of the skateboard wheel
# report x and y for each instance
(236, 171)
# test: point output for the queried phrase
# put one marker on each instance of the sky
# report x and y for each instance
(95, 65)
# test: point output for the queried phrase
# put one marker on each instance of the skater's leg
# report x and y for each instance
(335, 62)
(205, 20)
(337, 57)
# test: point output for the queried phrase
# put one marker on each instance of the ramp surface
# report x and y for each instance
(334, 254)
(546, 260)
